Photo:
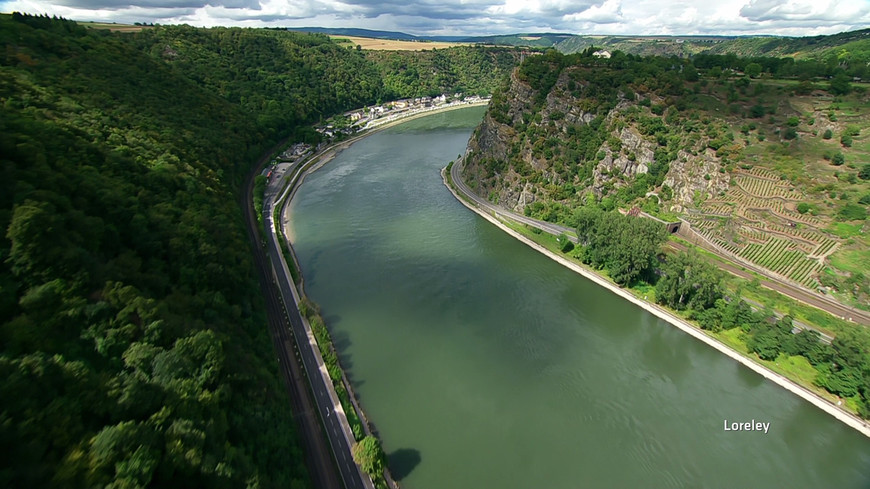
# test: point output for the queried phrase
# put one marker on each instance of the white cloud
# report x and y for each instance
(481, 17)
(805, 10)
(610, 12)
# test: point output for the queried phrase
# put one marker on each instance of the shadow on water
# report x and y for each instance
(340, 339)
(402, 462)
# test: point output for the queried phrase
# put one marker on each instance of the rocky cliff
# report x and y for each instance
(583, 135)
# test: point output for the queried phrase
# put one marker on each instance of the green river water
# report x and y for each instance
(483, 364)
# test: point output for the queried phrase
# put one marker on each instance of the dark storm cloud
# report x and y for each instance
(427, 9)
(157, 4)
(542, 12)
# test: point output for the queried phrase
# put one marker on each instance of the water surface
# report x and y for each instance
(483, 364)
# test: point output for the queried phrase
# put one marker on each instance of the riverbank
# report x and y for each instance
(349, 407)
(847, 418)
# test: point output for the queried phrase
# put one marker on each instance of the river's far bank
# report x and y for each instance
(327, 154)
(845, 417)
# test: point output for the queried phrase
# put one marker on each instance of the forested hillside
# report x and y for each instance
(285, 80)
(133, 345)
(465, 69)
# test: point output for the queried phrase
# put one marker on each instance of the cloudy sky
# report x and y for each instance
(481, 17)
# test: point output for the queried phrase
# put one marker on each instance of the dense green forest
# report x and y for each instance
(284, 79)
(133, 345)
(465, 69)
(134, 350)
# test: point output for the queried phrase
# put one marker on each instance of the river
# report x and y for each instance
(484, 364)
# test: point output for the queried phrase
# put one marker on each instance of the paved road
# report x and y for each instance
(327, 404)
(455, 175)
(318, 455)
(796, 293)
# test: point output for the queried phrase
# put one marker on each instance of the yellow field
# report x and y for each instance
(391, 45)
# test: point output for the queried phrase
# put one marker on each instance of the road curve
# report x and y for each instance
(796, 293)
(498, 211)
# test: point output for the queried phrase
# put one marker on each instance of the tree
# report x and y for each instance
(853, 212)
(838, 159)
(840, 84)
(367, 453)
(625, 246)
(864, 173)
(565, 244)
(846, 140)
(689, 282)
(803, 207)
(753, 70)
(828, 134)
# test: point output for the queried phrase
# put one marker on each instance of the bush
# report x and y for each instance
(853, 212)
(838, 159)
(790, 133)
(370, 456)
(846, 140)
(565, 244)
(828, 134)
(864, 173)
(803, 207)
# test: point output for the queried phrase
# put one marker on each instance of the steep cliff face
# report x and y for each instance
(584, 136)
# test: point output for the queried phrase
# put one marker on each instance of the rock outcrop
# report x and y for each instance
(524, 150)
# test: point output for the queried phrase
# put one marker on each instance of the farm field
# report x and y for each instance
(394, 45)
(786, 206)
(115, 27)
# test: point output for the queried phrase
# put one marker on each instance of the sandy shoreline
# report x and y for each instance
(849, 419)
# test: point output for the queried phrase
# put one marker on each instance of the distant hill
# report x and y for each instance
(845, 48)
(798, 47)
(330, 31)
(539, 40)
(543, 40)
(849, 47)
(682, 46)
